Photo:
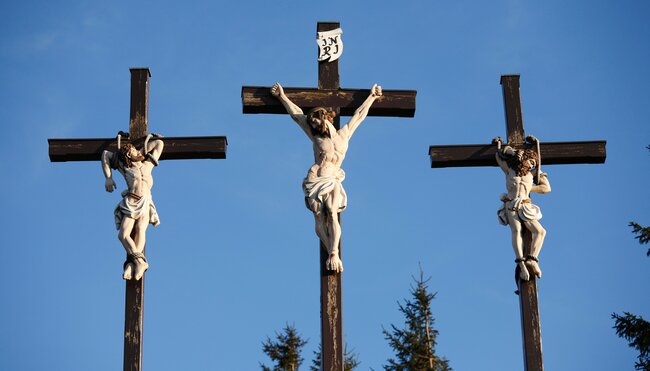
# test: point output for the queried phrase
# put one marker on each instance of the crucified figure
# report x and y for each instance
(518, 211)
(136, 210)
(323, 188)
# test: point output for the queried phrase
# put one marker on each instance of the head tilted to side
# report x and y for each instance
(523, 161)
(317, 117)
(128, 154)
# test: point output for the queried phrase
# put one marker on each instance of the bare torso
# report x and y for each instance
(329, 153)
(519, 187)
(138, 177)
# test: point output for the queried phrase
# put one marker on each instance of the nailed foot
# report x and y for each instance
(523, 271)
(140, 267)
(535, 267)
(333, 263)
(128, 271)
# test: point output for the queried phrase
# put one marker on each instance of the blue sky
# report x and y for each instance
(235, 257)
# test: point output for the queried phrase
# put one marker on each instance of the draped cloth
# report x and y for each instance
(526, 210)
(318, 190)
(135, 207)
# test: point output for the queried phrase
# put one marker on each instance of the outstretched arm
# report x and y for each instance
(294, 111)
(106, 168)
(361, 112)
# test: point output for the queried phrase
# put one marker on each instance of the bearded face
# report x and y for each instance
(128, 155)
(317, 119)
(523, 162)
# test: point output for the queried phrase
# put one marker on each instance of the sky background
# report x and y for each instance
(236, 258)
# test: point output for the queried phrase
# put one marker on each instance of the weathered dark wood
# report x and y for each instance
(176, 148)
(531, 329)
(592, 152)
(553, 153)
(512, 108)
(328, 72)
(331, 283)
(134, 299)
(394, 103)
(331, 304)
(133, 324)
(139, 116)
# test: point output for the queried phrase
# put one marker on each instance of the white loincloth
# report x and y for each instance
(526, 211)
(135, 208)
(318, 190)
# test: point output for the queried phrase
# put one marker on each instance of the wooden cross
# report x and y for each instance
(175, 148)
(551, 153)
(400, 103)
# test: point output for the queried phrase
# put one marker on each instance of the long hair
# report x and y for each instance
(124, 154)
(317, 116)
(518, 162)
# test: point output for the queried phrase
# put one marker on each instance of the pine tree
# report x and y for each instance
(642, 234)
(350, 360)
(634, 328)
(284, 350)
(636, 331)
(415, 345)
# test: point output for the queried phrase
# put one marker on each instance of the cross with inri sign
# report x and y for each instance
(330, 145)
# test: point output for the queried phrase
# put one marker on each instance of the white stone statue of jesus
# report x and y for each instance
(323, 188)
(136, 210)
(518, 211)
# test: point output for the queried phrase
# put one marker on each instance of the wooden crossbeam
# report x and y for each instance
(394, 103)
(553, 153)
(176, 148)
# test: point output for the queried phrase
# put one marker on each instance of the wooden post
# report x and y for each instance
(552, 153)
(331, 284)
(61, 150)
(134, 301)
(396, 103)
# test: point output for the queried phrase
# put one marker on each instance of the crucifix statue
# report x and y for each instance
(517, 210)
(136, 210)
(134, 155)
(518, 160)
(323, 190)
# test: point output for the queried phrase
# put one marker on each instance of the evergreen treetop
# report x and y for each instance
(414, 345)
(284, 350)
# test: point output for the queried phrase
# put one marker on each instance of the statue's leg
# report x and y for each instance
(124, 235)
(320, 223)
(333, 201)
(538, 233)
(140, 239)
(518, 243)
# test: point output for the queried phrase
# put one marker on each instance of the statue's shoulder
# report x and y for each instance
(115, 162)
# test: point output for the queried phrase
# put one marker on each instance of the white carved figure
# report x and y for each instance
(324, 193)
(518, 211)
(136, 210)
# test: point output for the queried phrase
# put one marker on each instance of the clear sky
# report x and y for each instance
(236, 258)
